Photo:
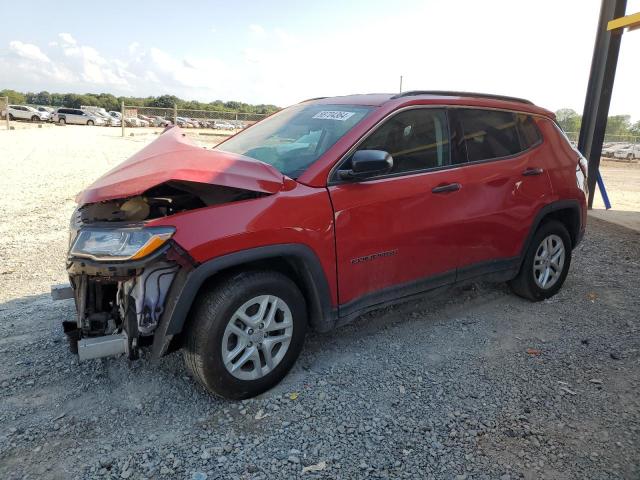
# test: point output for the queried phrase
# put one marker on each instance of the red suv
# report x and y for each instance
(311, 217)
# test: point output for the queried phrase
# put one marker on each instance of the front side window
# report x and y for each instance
(295, 137)
(488, 134)
(417, 139)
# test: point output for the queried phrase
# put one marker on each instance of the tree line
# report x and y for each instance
(617, 125)
(111, 102)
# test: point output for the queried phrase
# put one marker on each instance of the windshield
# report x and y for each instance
(294, 138)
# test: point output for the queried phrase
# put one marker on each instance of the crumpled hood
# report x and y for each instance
(173, 156)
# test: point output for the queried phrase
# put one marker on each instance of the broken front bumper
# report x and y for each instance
(120, 304)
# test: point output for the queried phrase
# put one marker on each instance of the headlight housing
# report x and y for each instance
(119, 244)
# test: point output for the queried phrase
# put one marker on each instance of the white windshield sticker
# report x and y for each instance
(333, 115)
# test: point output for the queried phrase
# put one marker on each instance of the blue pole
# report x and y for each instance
(603, 191)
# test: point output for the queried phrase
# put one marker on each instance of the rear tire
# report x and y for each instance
(231, 333)
(546, 263)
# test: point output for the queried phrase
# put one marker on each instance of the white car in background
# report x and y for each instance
(629, 152)
(218, 125)
(49, 110)
(24, 112)
(77, 117)
(101, 113)
(612, 148)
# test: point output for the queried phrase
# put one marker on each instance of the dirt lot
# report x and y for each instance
(622, 180)
(470, 383)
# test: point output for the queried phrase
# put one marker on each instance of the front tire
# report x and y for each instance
(546, 263)
(90, 123)
(62, 121)
(35, 118)
(11, 117)
(246, 333)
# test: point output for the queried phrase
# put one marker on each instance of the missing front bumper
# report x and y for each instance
(118, 306)
(104, 346)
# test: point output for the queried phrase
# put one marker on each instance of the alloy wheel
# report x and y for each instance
(549, 261)
(257, 337)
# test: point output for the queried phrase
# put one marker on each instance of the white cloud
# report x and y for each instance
(28, 51)
(67, 39)
(134, 47)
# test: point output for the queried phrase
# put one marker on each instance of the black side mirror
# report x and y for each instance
(365, 163)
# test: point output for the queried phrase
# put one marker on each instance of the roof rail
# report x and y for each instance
(448, 93)
(311, 99)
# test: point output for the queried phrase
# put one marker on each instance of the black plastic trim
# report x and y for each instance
(393, 294)
(80, 265)
(499, 270)
(546, 210)
(314, 278)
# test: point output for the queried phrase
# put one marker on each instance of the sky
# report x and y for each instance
(282, 52)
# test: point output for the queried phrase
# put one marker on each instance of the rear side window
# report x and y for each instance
(417, 139)
(529, 133)
(488, 134)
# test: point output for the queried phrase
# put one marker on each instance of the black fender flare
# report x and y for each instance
(546, 210)
(187, 284)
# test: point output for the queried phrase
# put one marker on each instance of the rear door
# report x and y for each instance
(398, 233)
(23, 113)
(505, 185)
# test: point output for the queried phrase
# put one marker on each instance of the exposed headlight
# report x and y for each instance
(119, 244)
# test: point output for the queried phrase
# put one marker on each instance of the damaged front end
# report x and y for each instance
(121, 270)
(121, 267)
(120, 278)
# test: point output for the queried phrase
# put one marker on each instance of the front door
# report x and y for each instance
(398, 233)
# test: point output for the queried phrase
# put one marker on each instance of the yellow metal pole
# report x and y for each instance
(629, 21)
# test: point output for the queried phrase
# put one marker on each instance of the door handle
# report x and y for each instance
(529, 172)
(451, 187)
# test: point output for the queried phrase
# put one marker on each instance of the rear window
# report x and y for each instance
(489, 134)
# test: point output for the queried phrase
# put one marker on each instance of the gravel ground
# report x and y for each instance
(470, 383)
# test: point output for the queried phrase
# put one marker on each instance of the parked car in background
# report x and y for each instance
(144, 118)
(184, 122)
(135, 122)
(76, 116)
(24, 112)
(610, 149)
(223, 125)
(49, 110)
(194, 123)
(629, 152)
(101, 113)
(233, 254)
(158, 121)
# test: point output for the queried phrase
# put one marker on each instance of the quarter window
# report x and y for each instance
(529, 134)
(417, 139)
(489, 134)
